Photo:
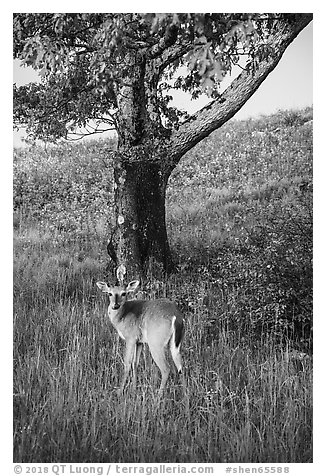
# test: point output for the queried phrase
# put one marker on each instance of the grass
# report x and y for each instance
(234, 210)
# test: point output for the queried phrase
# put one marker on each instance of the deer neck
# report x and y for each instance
(115, 314)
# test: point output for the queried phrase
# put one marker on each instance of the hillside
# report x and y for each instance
(239, 214)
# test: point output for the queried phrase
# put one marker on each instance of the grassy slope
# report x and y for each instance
(239, 217)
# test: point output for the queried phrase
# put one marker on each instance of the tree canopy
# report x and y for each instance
(84, 59)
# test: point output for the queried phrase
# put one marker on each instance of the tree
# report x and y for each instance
(118, 70)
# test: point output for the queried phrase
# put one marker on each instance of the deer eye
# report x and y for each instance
(123, 294)
(110, 294)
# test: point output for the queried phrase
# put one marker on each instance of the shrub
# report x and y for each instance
(67, 187)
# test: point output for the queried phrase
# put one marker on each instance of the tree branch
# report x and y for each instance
(215, 114)
(81, 135)
(174, 53)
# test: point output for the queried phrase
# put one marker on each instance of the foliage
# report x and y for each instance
(65, 188)
(241, 209)
(79, 58)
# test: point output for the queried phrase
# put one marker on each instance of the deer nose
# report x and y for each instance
(116, 303)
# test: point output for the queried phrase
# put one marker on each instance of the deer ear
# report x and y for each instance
(103, 287)
(132, 286)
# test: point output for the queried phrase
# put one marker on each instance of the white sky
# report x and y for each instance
(289, 86)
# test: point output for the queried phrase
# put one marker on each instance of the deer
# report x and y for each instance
(157, 323)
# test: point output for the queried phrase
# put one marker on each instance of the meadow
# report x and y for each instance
(239, 214)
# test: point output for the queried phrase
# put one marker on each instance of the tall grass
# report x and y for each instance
(248, 394)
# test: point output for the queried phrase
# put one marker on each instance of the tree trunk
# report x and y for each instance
(140, 232)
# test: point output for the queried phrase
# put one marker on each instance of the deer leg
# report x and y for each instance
(138, 350)
(158, 354)
(128, 362)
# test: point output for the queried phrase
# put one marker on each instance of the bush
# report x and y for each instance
(241, 209)
(67, 187)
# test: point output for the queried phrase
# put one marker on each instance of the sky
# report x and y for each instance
(289, 86)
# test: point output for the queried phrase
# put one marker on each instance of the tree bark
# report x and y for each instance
(140, 231)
